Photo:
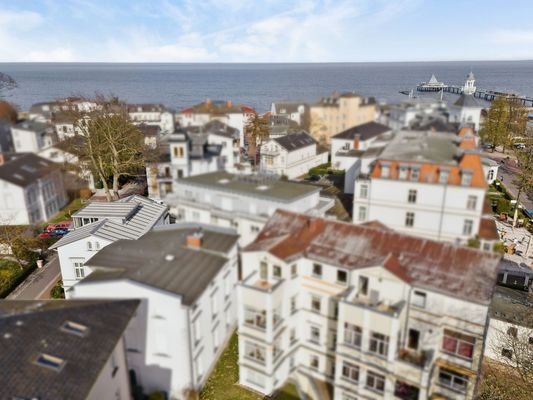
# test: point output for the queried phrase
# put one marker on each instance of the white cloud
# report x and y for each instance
(509, 36)
(54, 55)
(19, 21)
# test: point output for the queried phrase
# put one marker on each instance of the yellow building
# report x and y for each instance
(338, 112)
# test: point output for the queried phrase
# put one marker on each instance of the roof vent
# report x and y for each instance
(169, 257)
(195, 239)
(50, 362)
(75, 328)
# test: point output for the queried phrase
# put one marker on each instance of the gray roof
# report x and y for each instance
(364, 131)
(295, 141)
(269, 187)
(420, 146)
(162, 259)
(30, 328)
(467, 100)
(139, 215)
(23, 169)
(31, 125)
(513, 306)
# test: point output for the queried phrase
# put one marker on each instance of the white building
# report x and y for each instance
(349, 146)
(242, 202)
(295, 111)
(99, 224)
(32, 136)
(152, 115)
(6, 140)
(46, 111)
(67, 349)
(185, 275)
(235, 116)
(467, 110)
(424, 184)
(32, 189)
(490, 168)
(292, 155)
(358, 312)
(189, 152)
(411, 112)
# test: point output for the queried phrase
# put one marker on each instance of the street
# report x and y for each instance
(39, 283)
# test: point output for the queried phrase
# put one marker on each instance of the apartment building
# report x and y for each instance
(192, 151)
(292, 155)
(242, 202)
(32, 136)
(360, 311)
(185, 276)
(233, 115)
(338, 112)
(99, 224)
(349, 147)
(425, 184)
(32, 189)
(296, 111)
(152, 115)
(65, 349)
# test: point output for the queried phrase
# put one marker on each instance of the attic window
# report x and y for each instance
(466, 178)
(262, 187)
(50, 362)
(75, 328)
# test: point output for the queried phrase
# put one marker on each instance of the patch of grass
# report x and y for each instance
(67, 211)
(223, 383)
(11, 275)
(288, 392)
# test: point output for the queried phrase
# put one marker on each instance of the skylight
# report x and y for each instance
(223, 181)
(28, 168)
(50, 362)
(18, 176)
(75, 328)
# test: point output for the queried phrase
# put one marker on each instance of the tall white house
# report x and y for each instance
(152, 115)
(242, 202)
(361, 312)
(32, 189)
(185, 276)
(67, 349)
(291, 155)
(425, 184)
(234, 115)
(466, 110)
(293, 110)
(32, 136)
(99, 224)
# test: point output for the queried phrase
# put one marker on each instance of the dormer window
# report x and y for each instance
(385, 170)
(50, 362)
(402, 173)
(466, 178)
(415, 173)
(443, 176)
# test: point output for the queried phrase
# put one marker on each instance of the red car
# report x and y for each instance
(66, 225)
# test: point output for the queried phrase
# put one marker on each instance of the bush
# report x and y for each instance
(321, 169)
(499, 247)
(474, 242)
(57, 291)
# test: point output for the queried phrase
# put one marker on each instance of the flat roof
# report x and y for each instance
(513, 306)
(251, 185)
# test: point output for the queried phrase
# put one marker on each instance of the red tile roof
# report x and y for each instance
(488, 229)
(458, 271)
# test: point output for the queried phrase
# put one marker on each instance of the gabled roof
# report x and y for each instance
(30, 328)
(218, 107)
(460, 272)
(468, 101)
(162, 259)
(23, 169)
(140, 215)
(364, 131)
(295, 141)
(31, 125)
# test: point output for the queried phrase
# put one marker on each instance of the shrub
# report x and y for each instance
(57, 291)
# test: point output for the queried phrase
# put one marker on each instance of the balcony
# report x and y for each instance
(378, 305)
(413, 365)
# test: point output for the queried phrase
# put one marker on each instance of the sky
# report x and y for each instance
(264, 30)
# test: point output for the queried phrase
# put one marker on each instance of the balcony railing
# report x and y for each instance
(416, 358)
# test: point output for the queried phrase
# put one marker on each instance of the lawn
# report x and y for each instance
(223, 382)
(288, 392)
(67, 211)
(10, 276)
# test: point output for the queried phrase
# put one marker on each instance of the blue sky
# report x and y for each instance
(265, 30)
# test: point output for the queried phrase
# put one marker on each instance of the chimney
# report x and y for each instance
(356, 142)
(312, 224)
(194, 240)
(229, 103)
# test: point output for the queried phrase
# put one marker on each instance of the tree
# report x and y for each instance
(524, 178)
(7, 83)
(113, 145)
(494, 130)
(17, 242)
(257, 131)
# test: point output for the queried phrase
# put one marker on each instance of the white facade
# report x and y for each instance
(293, 110)
(31, 137)
(152, 114)
(278, 160)
(490, 168)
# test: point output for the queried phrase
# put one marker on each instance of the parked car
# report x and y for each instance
(59, 225)
(56, 233)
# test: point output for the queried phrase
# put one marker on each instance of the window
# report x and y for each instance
(507, 353)
(255, 317)
(276, 272)
(89, 246)
(411, 198)
(315, 303)
(79, 270)
(352, 335)
(363, 191)
(254, 352)
(419, 299)
(342, 276)
(363, 285)
(51, 362)
(263, 270)
(458, 344)
(468, 226)
(405, 391)
(97, 245)
(512, 331)
(409, 219)
(362, 213)
(443, 176)
(379, 344)
(313, 362)
(293, 304)
(453, 380)
(292, 335)
(466, 178)
(294, 270)
(315, 335)
(415, 173)
(471, 202)
(490, 175)
(350, 371)
(317, 270)
(375, 381)
(385, 170)
(413, 338)
(403, 172)
(214, 305)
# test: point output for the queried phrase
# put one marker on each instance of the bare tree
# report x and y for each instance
(16, 242)
(7, 83)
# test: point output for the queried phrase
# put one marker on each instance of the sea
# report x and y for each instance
(180, 85)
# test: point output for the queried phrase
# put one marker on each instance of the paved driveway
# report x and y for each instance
(39, 283)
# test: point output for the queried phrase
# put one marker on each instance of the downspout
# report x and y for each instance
(190, 338)
(442, 211)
